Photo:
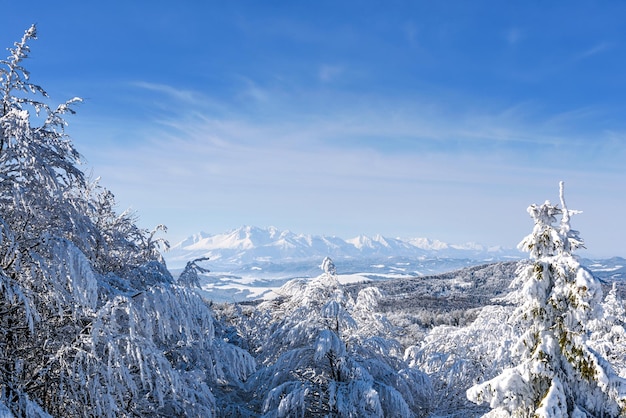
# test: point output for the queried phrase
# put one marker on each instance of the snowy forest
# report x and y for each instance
(93, 324)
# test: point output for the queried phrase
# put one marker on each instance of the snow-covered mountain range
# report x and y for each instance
(249, 244)
(250, 262)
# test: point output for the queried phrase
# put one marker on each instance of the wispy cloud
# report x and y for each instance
(335, 156)
(514, 35)
(328, 73)
(354, 122)
(186, 96)
(253, 91)
(240, 160)
(411, 32)
(594, 50)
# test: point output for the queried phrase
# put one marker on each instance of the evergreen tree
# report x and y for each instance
(559, 375)
(319, 360)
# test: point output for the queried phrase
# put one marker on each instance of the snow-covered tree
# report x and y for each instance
(189, 276)
(558, 374)
(37, 172)
(318, 363)
(455, 357)
(152, 353)
(608, 333)
(91, 323)
(116, 243)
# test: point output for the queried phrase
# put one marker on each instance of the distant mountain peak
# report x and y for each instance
(428, 244)
(251, 244)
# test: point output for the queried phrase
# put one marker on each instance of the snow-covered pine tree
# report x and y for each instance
(319, 361)
(559, 375)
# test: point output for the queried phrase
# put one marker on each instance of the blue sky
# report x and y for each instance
(405, 118)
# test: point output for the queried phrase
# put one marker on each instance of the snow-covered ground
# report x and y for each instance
(240, 283)
(247, 283)
(225, 288)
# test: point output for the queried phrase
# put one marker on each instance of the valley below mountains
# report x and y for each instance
(251, 263)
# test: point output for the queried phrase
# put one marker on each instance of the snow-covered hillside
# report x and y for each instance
(250, 244)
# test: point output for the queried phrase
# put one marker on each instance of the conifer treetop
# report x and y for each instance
(548, 239)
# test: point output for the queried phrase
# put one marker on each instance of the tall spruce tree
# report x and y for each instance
(559, 375)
